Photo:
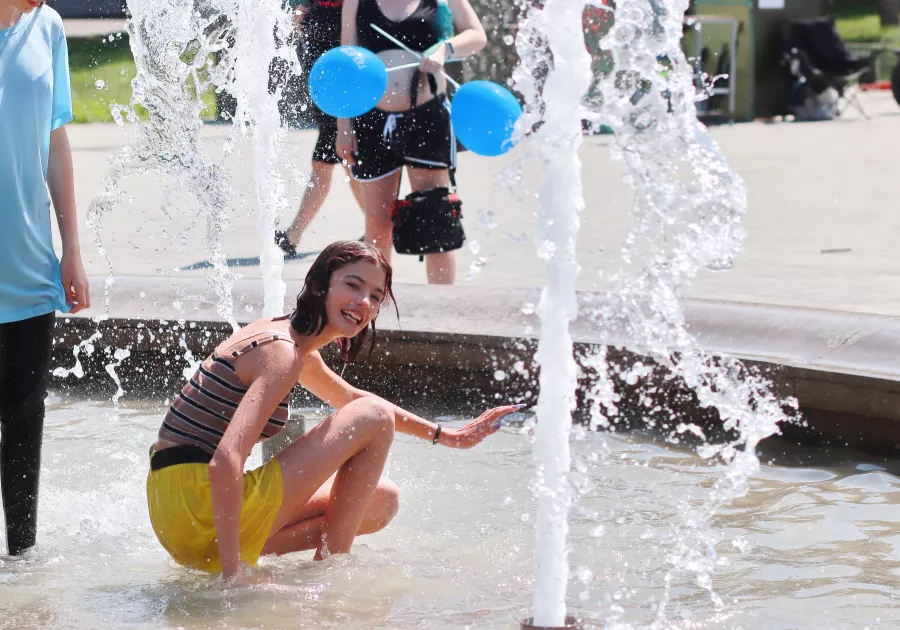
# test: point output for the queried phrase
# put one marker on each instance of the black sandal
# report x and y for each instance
(281, 239)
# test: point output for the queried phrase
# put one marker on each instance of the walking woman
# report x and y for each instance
(410, 126)
(35, 168)
(324, 489)
(318, 24)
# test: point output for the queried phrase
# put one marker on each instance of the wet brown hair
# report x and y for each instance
(310, 316)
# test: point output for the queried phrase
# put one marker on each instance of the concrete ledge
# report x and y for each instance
(451, 343)
(93, 27)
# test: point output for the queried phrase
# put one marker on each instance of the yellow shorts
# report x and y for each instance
(181, 512)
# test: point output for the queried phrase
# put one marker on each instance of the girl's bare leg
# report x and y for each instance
(378, 197)
(313, 198)
(306, 533)
(354, 442)
(440, 268)
(355, 187)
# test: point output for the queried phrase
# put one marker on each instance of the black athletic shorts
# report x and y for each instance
(320, 33)
(420, 137)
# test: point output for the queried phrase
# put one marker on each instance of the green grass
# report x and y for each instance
(97, 59)
(857, 21)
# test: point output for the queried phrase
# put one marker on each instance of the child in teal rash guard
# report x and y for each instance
(35, 168)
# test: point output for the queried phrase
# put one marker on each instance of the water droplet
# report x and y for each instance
(100, 84)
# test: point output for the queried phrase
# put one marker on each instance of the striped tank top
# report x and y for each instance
(202, 410)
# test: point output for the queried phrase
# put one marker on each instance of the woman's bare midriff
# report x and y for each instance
(397, 97)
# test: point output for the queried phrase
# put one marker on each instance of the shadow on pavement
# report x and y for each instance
(250, 261)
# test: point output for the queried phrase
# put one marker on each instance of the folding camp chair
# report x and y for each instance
(815, 52)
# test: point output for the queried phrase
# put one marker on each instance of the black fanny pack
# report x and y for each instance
(428, 222)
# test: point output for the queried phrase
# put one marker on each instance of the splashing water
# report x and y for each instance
(173, 68)
(181, 52)
(77, 370)
(119, 356)
(193, 363)
(686, 213)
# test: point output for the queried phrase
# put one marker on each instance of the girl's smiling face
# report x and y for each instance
(354, 297)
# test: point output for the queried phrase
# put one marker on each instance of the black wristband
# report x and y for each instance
(437, 434)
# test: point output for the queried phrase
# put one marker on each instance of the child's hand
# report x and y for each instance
(75, 283)
(473, 433)
(345, 145)
(245, 576)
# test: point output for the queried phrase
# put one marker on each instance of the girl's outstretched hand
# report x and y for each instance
(474, 432)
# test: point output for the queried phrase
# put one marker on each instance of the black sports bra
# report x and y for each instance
(420, 31)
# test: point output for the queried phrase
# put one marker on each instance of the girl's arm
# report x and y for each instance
(470, 37)
(322, 382)
(61, 183)
(275, 375)
(348, 22)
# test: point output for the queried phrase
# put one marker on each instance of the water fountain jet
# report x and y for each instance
(258, 25)
(557, 143)
(570, 623)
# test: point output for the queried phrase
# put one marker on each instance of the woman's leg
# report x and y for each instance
(440, 268)
(379, 196)
(354, 443)
(306, 532)
(354, 187)
(313, 198)
(25, 348)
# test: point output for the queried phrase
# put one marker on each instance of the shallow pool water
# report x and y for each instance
(813, 544)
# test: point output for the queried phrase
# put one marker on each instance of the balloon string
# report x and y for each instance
(409, 50)
(413, 65)
(404, 67)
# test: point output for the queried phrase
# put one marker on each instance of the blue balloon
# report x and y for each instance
(347, 81)
(484, 115)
